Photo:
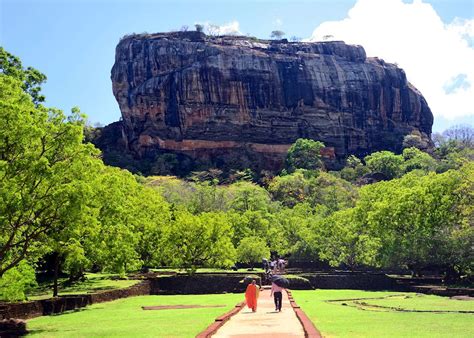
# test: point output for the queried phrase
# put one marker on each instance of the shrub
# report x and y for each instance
(16, 282)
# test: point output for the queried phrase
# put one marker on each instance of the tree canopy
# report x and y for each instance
(305, 154)
(31, 79)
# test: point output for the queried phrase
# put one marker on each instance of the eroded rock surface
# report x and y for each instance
(221, 99)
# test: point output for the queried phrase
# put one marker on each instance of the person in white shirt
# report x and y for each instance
(277, 296)
(281, 265)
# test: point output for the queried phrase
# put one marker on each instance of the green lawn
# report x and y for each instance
(125, 318)
(95, 282)
(360, 318)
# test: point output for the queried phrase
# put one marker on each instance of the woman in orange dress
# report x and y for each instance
(251, 295)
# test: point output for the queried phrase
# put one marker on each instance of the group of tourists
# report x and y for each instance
(274, 266)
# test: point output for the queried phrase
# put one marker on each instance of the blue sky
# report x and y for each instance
(73, 42)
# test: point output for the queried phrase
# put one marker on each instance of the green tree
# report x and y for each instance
(417, 219)
(174, 190)
(43, 170)
(315, 188)
(199, 27)
(353, 161)
(343, 240)
(242, 175)
(16, 282)
(132, 219)
(243, 196)
(295, 231)
(294, 188)
(454, 147)
(153, 216)
(353, 170)
(277, 34)
(68, 249)
(119, 201)
(417, 159)
(333, 193)
(304, 154)
(385, 162)
(207, 197)
(250, 223)
(198, 240)
(458, 254)
(251, 250)
(31, 79)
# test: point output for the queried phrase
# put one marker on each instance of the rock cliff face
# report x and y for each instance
(224, 99)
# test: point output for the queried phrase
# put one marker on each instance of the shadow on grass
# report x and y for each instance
(87, 286)
(79, 309)
(40, 331)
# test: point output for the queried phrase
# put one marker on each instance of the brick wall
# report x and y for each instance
(199, 284)
(356, 281)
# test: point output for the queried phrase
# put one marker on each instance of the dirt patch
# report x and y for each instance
(462, 298)
(170, 307)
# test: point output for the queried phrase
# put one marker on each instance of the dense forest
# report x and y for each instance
(64, 211)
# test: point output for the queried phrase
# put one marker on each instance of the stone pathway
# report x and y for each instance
(265, 322)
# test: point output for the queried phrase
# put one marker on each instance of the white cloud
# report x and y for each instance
(436, 56)
(229, 28)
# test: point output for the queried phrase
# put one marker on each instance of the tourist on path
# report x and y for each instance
(281, 265)
(277, 296)
(273, 266)
(251, 295)
(266, 265)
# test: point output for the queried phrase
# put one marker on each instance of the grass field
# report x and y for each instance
(94, 282)
(380, 318)
(126, 318)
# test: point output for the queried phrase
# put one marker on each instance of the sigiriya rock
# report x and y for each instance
(241, 102)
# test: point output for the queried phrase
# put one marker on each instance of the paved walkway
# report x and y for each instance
(266, 322)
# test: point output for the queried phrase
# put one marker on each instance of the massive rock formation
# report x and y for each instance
(243, 100)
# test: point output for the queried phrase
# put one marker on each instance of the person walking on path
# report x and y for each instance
(281, 265)
(251, 295)
(277, 296)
